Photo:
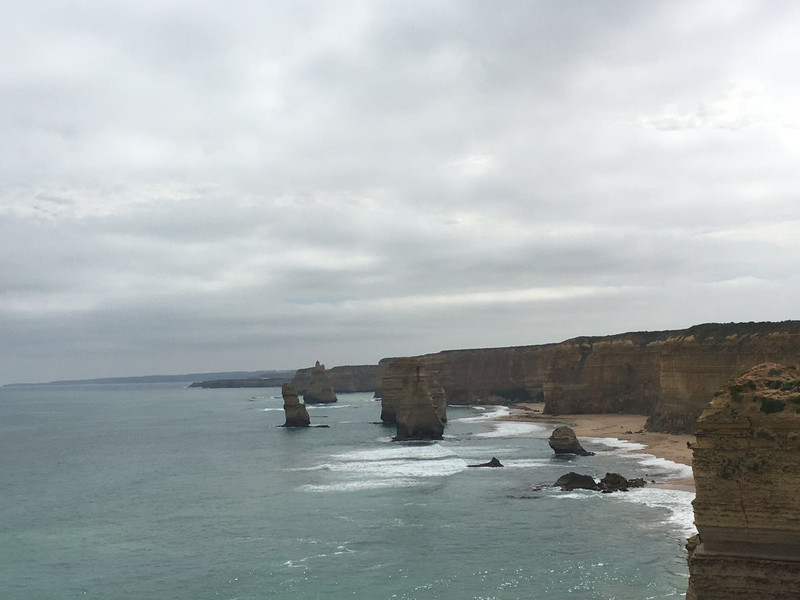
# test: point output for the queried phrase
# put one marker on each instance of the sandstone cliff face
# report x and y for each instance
(320, 390)
(417, 408)
(747, 472)
(668, 375)
(344, 379)
(296, 413)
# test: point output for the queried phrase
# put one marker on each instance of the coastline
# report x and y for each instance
(629, 428)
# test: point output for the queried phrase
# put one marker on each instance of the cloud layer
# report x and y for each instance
(191, 186)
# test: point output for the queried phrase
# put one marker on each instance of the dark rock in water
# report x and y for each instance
(296, 413)
(320, 389)
(492, 463)
(614, 482)
(563, 441)
(576, 481)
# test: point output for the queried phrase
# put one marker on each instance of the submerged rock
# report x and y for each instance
(492, 463)
(563, 441)
(296, 413)
(320, 389)
(747, 508)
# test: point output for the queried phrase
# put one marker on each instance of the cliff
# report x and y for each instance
(747, 472)
(344, 379)
(417, 407)
(320, 389)
(668, 375)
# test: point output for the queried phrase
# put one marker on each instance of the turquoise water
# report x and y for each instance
(156, 491)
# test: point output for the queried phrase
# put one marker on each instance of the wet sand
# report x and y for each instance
(624, 427)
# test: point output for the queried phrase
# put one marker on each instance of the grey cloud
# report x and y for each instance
(187, 186)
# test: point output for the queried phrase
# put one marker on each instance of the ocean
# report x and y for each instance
(162, 492)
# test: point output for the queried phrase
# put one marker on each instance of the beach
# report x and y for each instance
(623, 427)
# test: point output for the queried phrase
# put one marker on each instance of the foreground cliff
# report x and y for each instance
(747, 472)
(668, 375)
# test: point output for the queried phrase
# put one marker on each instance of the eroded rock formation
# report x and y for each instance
(296, 413)
(564, 441)
(747, 473)
(494, 463)
(612, 482)
(668, 375)
(415, 405)
(344, 379)
(320, 389)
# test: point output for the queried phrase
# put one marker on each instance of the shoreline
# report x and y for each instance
(629, 428)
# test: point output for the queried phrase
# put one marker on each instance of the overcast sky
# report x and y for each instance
(203, 185)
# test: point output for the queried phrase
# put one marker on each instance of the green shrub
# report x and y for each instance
(772, 405)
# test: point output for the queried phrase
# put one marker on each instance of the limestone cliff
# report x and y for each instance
(416, 405)
(296, 413)
(747, 472)
(320, 390)
(668, 375)
(344, 379)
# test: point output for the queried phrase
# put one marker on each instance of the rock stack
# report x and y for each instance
(296, 413)
(747, 472)
(563, 441)
(320, 389)
(418, 410)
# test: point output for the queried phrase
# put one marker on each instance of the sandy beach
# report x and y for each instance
(624, 427)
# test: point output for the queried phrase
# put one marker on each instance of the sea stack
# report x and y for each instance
(564, 441)
(320, 389)
(296, 413)
(418, 409)
(747, 508)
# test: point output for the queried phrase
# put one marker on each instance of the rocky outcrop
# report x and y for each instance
(575, 481)
(320, 390)
(415, 406)
(563, 441)
(667, 375)
(296, 413)
(747, 473)
(612, 482)
(344, 379)
(494, 463)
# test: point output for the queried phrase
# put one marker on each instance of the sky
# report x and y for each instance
(206, 186)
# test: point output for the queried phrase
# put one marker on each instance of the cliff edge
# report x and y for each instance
(747, 472)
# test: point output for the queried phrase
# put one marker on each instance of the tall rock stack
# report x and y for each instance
(320, 389)
(747, 472)
(296, 413)
(419, 410)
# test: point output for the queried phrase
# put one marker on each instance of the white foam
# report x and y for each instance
(510, 429)
(521, 463)
(578, 495)
(402, 468)
(678, 502)
(270, 409)
(327, 405)
(494, 413)
(397, 451)
(673, 469)
(615, 443)
(351, 486)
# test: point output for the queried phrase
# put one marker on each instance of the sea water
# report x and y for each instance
(158, 491)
